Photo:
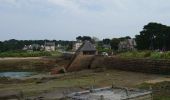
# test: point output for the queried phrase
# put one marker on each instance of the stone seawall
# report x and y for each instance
(138, 65)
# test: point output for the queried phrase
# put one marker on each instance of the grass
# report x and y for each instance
(24, 54)
(84, 80)
(56, 53)
(27, 65)
(30, 54)
(145, 54)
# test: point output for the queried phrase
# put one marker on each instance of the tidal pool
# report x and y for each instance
(16, 74)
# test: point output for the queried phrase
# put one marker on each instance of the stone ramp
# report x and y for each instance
(81, 62)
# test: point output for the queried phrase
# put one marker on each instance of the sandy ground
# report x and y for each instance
(158, 80)
(56, 86)
(20, 58)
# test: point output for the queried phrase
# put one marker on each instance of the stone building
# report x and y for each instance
(87, 49)
(128, 44)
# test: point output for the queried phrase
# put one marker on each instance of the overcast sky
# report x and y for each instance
(66, 19)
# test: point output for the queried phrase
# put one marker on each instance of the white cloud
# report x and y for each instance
(81, 16)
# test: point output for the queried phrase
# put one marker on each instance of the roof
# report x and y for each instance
(87, 46)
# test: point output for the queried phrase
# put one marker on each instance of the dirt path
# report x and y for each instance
(158, 80)
(20, 58)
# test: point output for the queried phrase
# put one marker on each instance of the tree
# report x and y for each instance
(154, 36)
(95, 39)
(79, 38)
(84, 38)
(106, 41)
(114, 43)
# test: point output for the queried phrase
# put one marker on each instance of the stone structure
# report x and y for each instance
(137, 65)
(87, 49)
(112, 93)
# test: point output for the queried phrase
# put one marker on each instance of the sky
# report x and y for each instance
(67, 19)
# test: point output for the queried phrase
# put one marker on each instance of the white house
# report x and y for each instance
(77, 45)
(49, 46)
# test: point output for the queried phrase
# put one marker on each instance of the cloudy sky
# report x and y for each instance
(66, 19)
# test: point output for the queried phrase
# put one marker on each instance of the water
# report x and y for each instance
(16, 74)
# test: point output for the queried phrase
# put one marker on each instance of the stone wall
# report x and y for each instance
(138, 65)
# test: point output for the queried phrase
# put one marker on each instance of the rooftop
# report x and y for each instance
(88, 46)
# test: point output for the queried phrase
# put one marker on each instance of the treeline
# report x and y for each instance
(154, 36)
(15, 45)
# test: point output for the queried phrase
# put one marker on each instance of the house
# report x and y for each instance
(77, 45)
(107, 46)
(32, 47)
(25, 47)
(87, 49)
(35, 47)
(49, 46)
(128, 44)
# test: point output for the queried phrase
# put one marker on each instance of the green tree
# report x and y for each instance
(114, 43)
(106, 41)
(153, 36)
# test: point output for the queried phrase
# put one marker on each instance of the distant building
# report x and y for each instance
(87, 49)
(107, 46)
(128, 44)
(77, 45)
(25, 47)
(36, 47)
(49, 46)
(32, 47)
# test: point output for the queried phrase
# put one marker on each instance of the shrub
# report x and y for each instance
(147, 54)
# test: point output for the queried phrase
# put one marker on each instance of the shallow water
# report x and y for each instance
(16, 74)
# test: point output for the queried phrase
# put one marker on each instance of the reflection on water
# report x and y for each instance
(16, 74)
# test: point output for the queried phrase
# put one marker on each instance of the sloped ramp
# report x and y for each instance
(81, 62)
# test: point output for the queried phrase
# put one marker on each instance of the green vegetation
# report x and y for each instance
(29, 54)
(154, 36)
(25, 65)
(161, 91)
(84, 79)
(11, 45)
(145, 54)
(24, 54)
(56, 53)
